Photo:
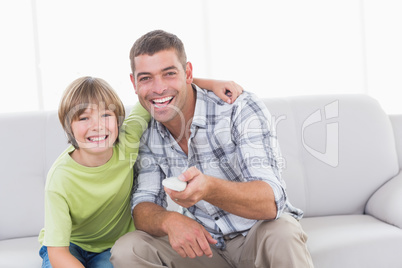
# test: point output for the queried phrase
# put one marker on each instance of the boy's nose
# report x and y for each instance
(98, 124)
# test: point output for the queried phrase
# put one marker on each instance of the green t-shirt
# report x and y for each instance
(90, 206)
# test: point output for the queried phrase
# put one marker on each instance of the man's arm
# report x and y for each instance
(186, 236)
(261, 193)
(251, 200)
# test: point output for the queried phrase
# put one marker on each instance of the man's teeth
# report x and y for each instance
(163, 99)
(97, 138)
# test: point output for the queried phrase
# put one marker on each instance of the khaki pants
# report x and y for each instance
(279, 243)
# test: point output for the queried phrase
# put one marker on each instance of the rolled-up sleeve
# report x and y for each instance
(147, 178)
(257, 148)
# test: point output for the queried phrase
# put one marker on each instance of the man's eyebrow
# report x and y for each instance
(143, 73)
(163, 70)
(169, 68)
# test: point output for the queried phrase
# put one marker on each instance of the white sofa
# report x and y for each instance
(342, 157)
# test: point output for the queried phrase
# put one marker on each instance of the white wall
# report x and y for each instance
(273, 48)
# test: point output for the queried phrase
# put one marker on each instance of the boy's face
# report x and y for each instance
(161, 84)
(95, 131)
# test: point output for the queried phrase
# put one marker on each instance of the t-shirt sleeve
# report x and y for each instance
(131, 131)
(57, 221)
(136, 123)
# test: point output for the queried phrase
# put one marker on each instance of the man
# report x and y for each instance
(235, 208)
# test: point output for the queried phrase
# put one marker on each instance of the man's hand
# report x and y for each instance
(196, 190)
(189, 238)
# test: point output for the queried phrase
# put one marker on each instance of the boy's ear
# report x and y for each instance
(189, 73)
(132, 78)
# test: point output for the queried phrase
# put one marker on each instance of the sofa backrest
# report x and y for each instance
(321, 180)
(31, 142)
(337, 151)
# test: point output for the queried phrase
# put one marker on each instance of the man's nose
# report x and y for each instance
(159, 86)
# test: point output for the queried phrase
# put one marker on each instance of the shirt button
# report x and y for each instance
(216, 218)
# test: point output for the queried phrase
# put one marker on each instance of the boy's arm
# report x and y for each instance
(228, 91)
(134, 125)
(61, 257)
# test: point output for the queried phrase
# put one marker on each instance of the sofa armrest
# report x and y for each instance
(396, 120)
(385, 204)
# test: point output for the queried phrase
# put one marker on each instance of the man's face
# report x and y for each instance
(161, 84)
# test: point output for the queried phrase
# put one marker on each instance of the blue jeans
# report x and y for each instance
(88, 259)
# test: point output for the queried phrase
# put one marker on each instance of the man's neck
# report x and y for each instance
(180, 127)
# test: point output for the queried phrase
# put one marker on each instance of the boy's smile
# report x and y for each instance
(97, 139)
(95, 132)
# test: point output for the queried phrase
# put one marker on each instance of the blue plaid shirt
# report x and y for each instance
(231, 142)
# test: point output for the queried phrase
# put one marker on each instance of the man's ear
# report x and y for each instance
(132, 78)
(189, 73)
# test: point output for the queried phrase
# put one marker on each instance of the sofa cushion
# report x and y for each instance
(337, 149)
(22, 174)
(20, 253)
(353, 241)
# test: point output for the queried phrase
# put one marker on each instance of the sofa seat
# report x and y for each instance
(20, 252)
(352, 241)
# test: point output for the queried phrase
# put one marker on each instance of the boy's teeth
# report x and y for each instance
(163, 99)
(97, 138)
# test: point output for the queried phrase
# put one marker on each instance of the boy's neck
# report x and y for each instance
(91, 160)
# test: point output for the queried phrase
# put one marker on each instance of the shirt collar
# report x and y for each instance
(200, 112)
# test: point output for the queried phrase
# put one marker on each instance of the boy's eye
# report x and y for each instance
(83, 118)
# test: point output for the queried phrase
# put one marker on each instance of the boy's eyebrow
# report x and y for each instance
(163, 70)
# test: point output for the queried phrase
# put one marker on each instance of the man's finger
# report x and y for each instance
(189, 251)
(189, 174)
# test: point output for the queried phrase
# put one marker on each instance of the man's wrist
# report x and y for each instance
(168, 218)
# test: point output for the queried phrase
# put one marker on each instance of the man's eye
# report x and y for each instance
(143, 79)
(170, 73)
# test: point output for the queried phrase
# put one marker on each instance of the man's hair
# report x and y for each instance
(83, 93)
(156, 41)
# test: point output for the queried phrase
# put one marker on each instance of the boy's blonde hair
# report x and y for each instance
(81, 94)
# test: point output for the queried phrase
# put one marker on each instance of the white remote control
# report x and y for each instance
(175, 184)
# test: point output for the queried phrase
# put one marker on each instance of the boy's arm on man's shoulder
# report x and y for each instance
(136, 123)
(228, 91)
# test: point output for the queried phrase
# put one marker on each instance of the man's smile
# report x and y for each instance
(162, 102)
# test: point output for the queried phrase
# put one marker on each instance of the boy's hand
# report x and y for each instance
(228, 91)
